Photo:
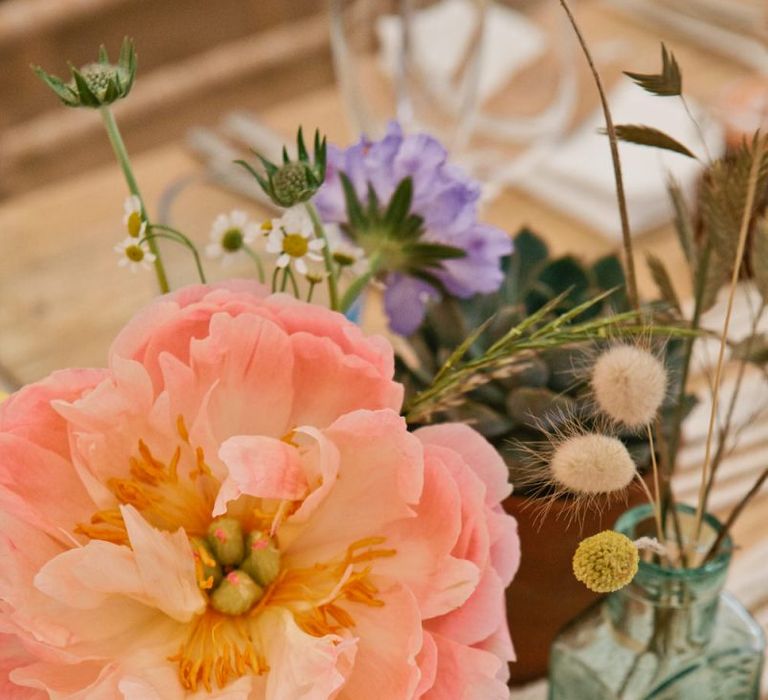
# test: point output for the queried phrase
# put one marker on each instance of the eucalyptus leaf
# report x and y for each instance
(609, 274)
(649, 136)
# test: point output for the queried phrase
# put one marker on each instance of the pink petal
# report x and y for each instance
(476, 451)
(380, 476)
(466, 673)
(321, 368)
(439, 581)
(303, 667)
(14, 655)
(389, 641)
(262, 467)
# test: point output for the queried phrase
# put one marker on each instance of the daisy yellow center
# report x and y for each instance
(134, 253)
(232, 240)
(295, 245)
(239, 566)
(134, 224)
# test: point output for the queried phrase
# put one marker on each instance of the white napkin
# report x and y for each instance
(576, 176)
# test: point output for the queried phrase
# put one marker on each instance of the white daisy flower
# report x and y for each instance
(134, 255)
(292, 240)
(132, 219)
(229, 234)
(346, 254)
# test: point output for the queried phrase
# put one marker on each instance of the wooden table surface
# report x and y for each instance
(63, 298)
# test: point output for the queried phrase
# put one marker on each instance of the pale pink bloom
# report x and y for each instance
(394, 551)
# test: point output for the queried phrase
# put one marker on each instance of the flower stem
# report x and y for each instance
(179, 237)
(125, 164)
(255, 257)
(626, 236)
(357, 286)
(333, 290)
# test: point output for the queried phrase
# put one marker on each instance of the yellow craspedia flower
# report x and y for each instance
(606, 561)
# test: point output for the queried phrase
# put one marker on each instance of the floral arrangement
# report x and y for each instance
(263, 502)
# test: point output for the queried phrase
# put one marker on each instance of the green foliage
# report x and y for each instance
(508, 363)
(668, 82)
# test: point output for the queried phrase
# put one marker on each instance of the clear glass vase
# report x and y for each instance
(672, 634)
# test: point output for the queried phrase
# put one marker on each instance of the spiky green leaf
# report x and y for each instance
(400, 204)
(355, 214)
(301, 148)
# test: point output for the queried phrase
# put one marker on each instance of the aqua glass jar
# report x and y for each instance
(672, 634)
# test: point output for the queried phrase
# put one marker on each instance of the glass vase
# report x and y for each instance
(672, 634)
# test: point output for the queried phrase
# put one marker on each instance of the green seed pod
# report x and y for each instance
(225, 537)
(236, 594)
(262, 559)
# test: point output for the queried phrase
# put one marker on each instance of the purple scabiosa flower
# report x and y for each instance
(442, 196)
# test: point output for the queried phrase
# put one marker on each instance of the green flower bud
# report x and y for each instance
(209, 573)
(294, 181)
(262, 558)
(291, 185)
(96, 84)
(236, 594)
(225, 537)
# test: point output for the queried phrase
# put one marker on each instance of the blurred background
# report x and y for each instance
(197, 60)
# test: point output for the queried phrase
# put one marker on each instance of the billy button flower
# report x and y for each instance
(295, 181)
(606, 561)
(392, 238)
(95, 84)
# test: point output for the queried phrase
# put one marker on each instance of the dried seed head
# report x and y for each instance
(629, 385)
(592, 464)
(606, 561)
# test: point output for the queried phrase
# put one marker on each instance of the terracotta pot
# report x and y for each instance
(545, 594)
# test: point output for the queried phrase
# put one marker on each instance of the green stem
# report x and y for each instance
(357, 286)
(179, 237)
(333, 290)
(275, 273)
(125, 164)
(259, 265)
(294, 284)
(311, 291)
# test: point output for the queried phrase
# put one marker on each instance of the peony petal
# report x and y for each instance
(14, 655)
(439, 581)
(466, 673)
(166, 567)
(380, 476)
(261, 467)
(389, 641)
(302, 666)
(476, 451)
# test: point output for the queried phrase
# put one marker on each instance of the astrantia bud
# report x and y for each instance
(96, 84)
(294, 181)
(629, 385)
(236, 594)
(606, 561)
(225, 537)
(592, 464)
(262, 558)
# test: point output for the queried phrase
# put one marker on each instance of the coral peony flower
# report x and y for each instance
(443, 196)
(235, 509)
